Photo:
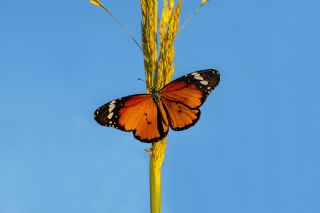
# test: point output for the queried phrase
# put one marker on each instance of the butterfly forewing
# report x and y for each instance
(183, 97)
(137, 113)
(192, 89)
(107, 114)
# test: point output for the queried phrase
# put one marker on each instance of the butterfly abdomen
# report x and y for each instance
(156, 97)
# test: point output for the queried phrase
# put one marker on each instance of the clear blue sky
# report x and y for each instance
(254, 150)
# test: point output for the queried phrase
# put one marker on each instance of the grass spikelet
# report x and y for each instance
(95, 2)
(149, 24)
(168, 32)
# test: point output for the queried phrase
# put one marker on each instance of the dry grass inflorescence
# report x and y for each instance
(158, 51)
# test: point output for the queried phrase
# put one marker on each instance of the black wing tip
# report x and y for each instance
(213, 73)
(210, 70)
(96, 117)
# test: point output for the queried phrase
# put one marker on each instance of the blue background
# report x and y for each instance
(254, 150)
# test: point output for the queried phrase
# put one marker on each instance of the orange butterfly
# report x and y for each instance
(150, 115)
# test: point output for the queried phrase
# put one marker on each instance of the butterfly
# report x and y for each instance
(149, 116)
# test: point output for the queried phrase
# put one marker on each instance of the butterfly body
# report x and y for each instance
(156, 97)
(149, 116)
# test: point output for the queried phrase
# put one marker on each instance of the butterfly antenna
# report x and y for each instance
(139, 79)
(99, 4)
(186, 22)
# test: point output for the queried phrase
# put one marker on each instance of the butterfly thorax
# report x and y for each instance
(155, 95)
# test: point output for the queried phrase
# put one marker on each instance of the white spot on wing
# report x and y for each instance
(110, 115)
(195, 74)
(198, 77)
(111, 107)
(204, 82)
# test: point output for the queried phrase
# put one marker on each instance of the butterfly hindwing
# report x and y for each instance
(183, 97)
(137, 113)
(181, 116)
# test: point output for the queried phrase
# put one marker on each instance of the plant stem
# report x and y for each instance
(157, 154)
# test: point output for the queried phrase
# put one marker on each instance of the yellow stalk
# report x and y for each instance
(157, 155)
(159, 69)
